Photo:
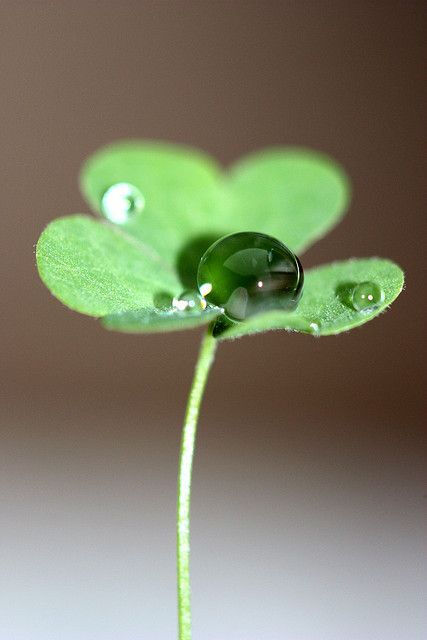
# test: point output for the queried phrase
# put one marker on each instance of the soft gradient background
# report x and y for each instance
(309, 495)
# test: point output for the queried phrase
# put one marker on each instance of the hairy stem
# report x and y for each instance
(204, 362)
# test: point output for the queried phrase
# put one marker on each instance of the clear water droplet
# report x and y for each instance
(189, 301)
(366, 296)
(315, 327)
(122, 201)
(247, 273)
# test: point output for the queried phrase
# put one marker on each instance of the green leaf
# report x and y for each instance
(94, 268)
(294, 195)
(325, 308)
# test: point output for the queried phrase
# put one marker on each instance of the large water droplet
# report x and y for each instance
(246, 273)
(366, 296)
(189, 301)
(122, 201)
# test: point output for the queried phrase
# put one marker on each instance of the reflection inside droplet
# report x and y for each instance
(205, 288)
(247, 273)
(366, 296)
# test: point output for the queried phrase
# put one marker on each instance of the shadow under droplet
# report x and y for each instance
(162, 300)
(344, 292)
(189, 257)
(221, 324)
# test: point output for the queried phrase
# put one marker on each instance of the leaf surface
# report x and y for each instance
(185, 203)
(294, 195)
(92, 267)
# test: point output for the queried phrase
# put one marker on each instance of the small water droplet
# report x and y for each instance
(366, 296)
(314, 326)
(247, 273)
(189, 301)
(122, 201)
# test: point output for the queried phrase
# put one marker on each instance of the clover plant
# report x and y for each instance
(179, 243)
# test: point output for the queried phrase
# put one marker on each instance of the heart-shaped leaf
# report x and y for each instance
(294, 195)
(96, 269)
(325, 308)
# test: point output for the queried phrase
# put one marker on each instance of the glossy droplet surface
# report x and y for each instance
(315, 327)
(247, 273)
(189, 301)
(366, 296)
(122, 201)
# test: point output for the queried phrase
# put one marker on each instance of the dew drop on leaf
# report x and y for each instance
(189, 301)
(247, 273)
(121, 202)
(366, 296)
(315, 327)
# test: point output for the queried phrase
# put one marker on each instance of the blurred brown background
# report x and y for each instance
(310, 496)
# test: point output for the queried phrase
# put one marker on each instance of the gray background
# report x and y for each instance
(309, 499)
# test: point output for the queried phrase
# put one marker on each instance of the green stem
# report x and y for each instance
(204, 362)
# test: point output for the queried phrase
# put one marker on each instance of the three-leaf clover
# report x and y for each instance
(127, 274)
(127, 269)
